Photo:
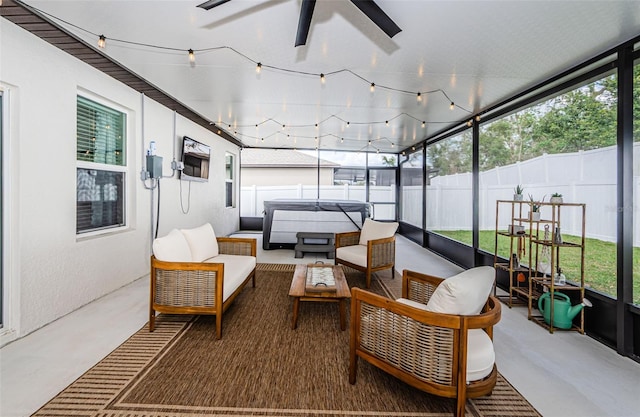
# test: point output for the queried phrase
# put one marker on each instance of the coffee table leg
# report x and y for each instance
(296, 305)
(343, 314)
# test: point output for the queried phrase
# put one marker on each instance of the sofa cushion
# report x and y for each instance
(355, 254)
(172, 248)
(372, 230)
(202, 241)
(480, 355)
(463, 294)
(236, 269)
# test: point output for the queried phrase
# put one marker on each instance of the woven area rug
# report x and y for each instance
(260, 367)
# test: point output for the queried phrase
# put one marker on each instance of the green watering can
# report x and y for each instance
(563, 312)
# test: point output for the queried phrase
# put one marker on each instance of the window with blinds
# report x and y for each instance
(229, 183)
(101, 166)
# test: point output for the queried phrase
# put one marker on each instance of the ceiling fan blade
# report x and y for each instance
(379, 17)
(306, 12)
(207, 5)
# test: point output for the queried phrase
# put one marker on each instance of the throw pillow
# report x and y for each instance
(202, 241)
(463, 294)
(372, 230)
(172, 248)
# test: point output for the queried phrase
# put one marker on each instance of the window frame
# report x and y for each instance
(229, 180)
(125, 168)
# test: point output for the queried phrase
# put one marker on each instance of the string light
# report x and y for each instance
(469, 123)
(259, 65)
(386, 122)
(424, 124)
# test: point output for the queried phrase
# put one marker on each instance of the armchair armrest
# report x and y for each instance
(419, 287)
(347, 239)
(381, 251)
(237, 246)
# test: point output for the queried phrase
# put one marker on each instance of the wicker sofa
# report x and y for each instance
(195, 272)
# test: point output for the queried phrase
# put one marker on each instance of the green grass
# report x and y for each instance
(599, 259)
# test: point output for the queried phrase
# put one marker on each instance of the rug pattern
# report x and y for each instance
(104, 389)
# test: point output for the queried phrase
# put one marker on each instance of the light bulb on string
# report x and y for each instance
(102, 42)
(424, 124)
(348, 123)
(373, 87)
(478, 118)
(192, 57)
(419, 97)
(322, 78)
(452, 105)
(258, 68)
(386, 122)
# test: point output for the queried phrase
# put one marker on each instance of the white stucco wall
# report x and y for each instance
(49, 271)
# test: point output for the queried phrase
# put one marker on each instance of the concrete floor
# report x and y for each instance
(562, 374)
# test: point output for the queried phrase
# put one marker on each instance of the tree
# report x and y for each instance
(581, 119)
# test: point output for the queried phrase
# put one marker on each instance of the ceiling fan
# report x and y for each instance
(368, 7)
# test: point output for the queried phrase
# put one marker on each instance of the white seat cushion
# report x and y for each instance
(463, 294)
(356, 254)
(480, 353)
(172, 248)
(236, 269)
(372, 230)
(202, 242)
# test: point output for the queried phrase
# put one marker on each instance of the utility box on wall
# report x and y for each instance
(154, 166)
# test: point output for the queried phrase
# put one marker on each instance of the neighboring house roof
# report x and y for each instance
(278, 158)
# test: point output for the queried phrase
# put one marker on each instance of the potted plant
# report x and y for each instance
(556, 198)
(517, 193)
(534, 214)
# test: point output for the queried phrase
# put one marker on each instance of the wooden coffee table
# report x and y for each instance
(337, 293)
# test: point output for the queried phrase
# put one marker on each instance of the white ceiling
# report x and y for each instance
(474, 53)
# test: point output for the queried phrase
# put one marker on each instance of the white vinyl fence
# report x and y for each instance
(587, 177)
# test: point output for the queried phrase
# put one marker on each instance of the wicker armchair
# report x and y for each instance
(422, 348)
(207, 287)
(367, 250)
